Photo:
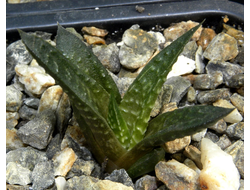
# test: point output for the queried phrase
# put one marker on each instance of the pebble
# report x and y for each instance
(236, 150)
(53, 147)
(27, 157)
(11, 119)
(81, 167)
(16, 53)
(194, 154)
(94, 31)
(34, 78)
(120, 176)
(38, 132)
(180, 87)
(42, 175)
(236, 81)
(182, 66)
(198, 136)
(178, 29)
(199, 65)
(176, 175)
(32, 102)
(220, 126)
(27, 113)
(76, 134)
(236, 130)
(224, 142)
(234, 116)
(94, 40)
(222, 48)
(189, 50)
(108, 55)
(63, 161)
(237, 34)
(212, 136)
(60, 183)
(206, 37)
(13, 99)
(17, 187)
(219, 171)
(206, 81)
(210, 96)
(137, 48)
(238, 101)
(17, 174)
(177, 144)
(188, 162)
(12, 140)
(191, 95)
(146, 182)
(169, 107)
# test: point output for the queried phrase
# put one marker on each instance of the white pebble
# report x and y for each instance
(60, 183)
(219, 172)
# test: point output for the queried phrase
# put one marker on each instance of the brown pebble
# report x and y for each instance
(94, 40)
(93, 31)
(206, 37)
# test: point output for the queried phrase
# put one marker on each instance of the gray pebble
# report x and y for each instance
(213, 137)
(220, 126)
(27, 113)
(120, 176)
(32, 102)
(53, 147)
(210, 96)
(236, 81)
(236, 130)
(81, 183)
(13, 99)
(224, 142)
(146, 182)
(190, 50)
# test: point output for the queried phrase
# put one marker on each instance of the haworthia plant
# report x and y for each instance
(119, 130)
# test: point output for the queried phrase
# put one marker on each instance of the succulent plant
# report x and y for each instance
(119, 130)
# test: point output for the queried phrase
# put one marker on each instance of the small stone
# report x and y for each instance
(234, 116)
(212, 136)
(17, 187)
(202, 82)
(177, 144)
(76, 134)
(194, 154)
(95, 31)
(178, 29)
(188, 162)
(227, 69)
(182, 66)
(206, 37)
(199, 65)
(169, 107)
(191, 95)
(198, 136)
(241, 184)
(189, 50)
(222, 48)
(120, 176)
(180, 87)
(34, 78)
(240, 91)
(27, 113)
(81, 183)
(210, 96)
(94, 40)
(42, 175)
(219, 171)
(16, 53)
(53, 147)
(176, 175)
(159, 37)
(38, 132)
(220, 126)
(81, 167)
(32, 102)
(13, 99)
(236, 150)
(110, 185)
(50, 98)
(17, 174)
(108, 55)
(238, 101)
(224, 142)
(237, 34)
(60, 183)
(11, 119)
(236, 130)
(138, 46)
(63, 161)
(236, 81)
(139, 9)
(146, 182)
(12, 140)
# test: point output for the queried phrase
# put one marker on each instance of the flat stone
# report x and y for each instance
(146, 182)
(219, 171)
(210, 96)
(12, 119)
(198, 136)
(12, 140)
(178, 29)
(50, 98)
(236, 150)
(34, 78)
(206, 37)
(180, 87)
(220, 126)
(238, 101)
(27, 113)
(27, 157)
(94, 40)
(120, 176)
(63, 161)
(169, 107)
(176, 175)
(177, 144)
(38, 132)
(224, 142)
(222, 48)
(108, 55)
(17, 174)
(194, 154)
(234, 116)
(182, 66)
(236, 81)
(13, 99)
(81, 167)
(227, 69)
(42, 175)
(16, 53)
(138, 46)
(236, 130)
(94, 31)
(110, 185)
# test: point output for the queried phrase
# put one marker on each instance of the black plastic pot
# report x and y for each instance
(115, 15)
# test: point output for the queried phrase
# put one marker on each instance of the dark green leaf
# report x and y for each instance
(139, 99)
